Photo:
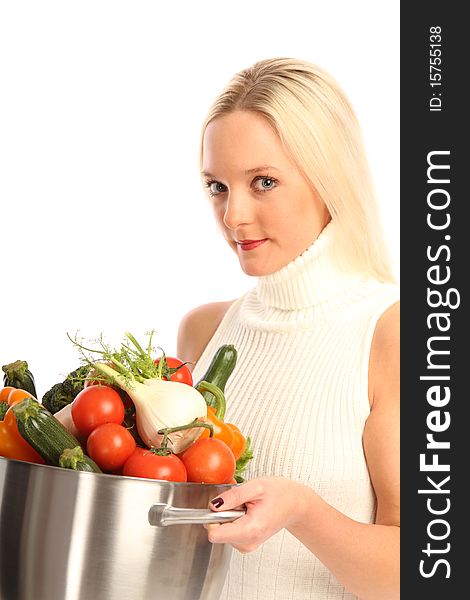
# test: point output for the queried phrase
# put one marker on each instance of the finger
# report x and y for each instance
(210, 526)
(214, 538)
(245, 548)
(239, 532)
(236, 496)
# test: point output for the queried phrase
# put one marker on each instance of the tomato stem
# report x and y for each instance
(162, 451)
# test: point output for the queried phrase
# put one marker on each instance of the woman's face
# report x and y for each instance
(266, 209)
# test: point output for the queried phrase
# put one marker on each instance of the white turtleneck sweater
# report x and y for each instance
(300, 391)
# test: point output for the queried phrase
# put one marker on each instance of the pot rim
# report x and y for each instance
(71, 472)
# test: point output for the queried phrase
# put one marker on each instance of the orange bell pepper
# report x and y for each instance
(12, 445)
(221, 429)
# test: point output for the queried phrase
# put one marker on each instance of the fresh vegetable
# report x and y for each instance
(64, 416)
(12, 444)
(220, 369)
(216, 414)
(18, 375)
(42, 430)
(94, 378)
(227, 432)
(158, 403)
(65, 393)
(177, 370)
(3, 409)
(149, 464)
(74, 458)
(96, 405)
(16, 395)
(243, 461)
(218, 405)
(5, 392)
(221, 430)
(209, 461)
(110, 445)
(238, 444)
(4, 404)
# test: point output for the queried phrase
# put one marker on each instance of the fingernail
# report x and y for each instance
(217, 502)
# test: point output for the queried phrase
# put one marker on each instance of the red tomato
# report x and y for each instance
(209, 461)
(144, 463)
(182, 375)
(96, 405)
(239, 442)
(91, 380)
(110, 445)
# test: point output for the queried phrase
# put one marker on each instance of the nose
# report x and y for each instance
(238, 210)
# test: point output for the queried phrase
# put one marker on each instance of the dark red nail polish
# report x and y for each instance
(217, 502)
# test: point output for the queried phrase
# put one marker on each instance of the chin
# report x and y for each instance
(256, 270)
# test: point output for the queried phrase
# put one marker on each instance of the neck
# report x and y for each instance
(315, 276)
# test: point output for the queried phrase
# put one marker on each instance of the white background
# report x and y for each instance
(104, 225)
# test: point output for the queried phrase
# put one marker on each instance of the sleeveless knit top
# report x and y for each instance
(300, 391)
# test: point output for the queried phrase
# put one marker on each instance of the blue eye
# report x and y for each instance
(264, 184)
(215, 187)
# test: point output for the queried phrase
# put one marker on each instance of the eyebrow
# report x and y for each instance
(247, 171)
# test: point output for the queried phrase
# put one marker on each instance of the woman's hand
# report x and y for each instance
(271, 504)
(364, 557)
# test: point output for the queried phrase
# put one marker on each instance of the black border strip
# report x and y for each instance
(434, 255)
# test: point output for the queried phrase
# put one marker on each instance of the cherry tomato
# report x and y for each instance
(96, 405)
(110, 445)
(209, 461)
(182, 375)
(144, 463)
(239, 442)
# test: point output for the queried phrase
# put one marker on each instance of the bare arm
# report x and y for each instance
(364, 557)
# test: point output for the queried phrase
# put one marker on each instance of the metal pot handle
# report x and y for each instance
(161, 515)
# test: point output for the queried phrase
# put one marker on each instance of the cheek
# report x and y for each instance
(217, 212)
(298, 228)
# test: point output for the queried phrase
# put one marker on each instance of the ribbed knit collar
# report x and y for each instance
(315, 276)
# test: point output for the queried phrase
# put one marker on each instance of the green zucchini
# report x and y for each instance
(43, 431)
(74, 458)
(18, 375)
(220, 369)
(3, 409)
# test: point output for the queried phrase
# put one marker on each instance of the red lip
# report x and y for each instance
(250, 244)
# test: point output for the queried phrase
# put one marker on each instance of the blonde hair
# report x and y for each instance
(320, 132)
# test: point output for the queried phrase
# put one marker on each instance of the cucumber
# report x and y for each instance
(3, 409)
(220, 369)
(74, 458)
(18, 375)
(43, 432)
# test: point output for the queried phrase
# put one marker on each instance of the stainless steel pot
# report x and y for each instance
(66, 535)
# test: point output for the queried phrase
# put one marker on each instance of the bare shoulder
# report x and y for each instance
(197, 327)
(384, 365)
